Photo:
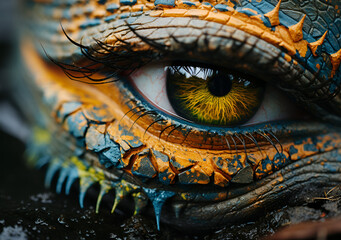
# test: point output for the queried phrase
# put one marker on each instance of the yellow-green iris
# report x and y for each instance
(212, 96)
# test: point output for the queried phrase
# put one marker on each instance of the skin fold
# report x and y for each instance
(89, 123)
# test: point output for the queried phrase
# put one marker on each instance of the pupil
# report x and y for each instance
(219, 84)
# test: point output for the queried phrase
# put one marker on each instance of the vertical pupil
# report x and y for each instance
(219, 84)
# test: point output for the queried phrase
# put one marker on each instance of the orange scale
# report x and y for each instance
(230, 164)
(196, 13)
(255, 157)
(174, 12)
(235, 22)
(98, 113)
(322, 141)
(217, 17)
(195, 175)
(116, 135)
(143, 166)
(179, 162)
(220, 180)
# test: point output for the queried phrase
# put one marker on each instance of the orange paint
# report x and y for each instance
(335, 59)
(296, 31)
(287, 58)
(313, 46)
(196, 13)
(274, 15)
(174, 12)
(217, 17)
(220, 180)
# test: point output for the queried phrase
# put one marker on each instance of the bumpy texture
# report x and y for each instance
(88, 134)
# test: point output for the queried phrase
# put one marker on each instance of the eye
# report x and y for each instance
(208, 95)
(193, 126)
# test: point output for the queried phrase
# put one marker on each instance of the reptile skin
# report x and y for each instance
(199, 176)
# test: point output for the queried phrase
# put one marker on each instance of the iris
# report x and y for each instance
(213, 96)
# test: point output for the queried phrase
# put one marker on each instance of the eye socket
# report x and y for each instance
(211, 96)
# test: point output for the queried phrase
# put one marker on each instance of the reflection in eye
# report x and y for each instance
(211, 96)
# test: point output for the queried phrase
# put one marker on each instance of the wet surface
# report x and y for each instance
(29, 211)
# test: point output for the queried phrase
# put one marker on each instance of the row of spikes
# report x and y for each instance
(296, 32)
(70, 171)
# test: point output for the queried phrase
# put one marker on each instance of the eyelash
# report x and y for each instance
(111, 63)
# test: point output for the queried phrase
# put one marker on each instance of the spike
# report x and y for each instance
(314, 45)
(122, 189)
(158, 198)
(119, 195)
(73, 175)
(61, 179)
(84, 184)
(53, 168)
(104, 190)
(141, 202)
(117, 201)
(296, 31)
(335, 59)
(273, 15)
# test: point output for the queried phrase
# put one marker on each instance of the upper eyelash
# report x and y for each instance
(125, 58)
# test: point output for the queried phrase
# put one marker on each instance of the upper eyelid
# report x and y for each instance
(220, 46)
(224, 53)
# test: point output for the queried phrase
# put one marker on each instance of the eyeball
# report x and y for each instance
(212, 96)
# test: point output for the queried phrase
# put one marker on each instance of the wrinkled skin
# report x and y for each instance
(201, 177)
